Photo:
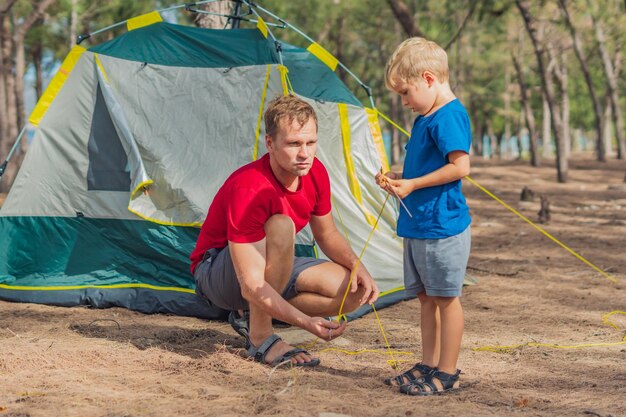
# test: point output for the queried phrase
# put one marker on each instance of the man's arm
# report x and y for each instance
(457, 168)
(249, 262)
(335, 246)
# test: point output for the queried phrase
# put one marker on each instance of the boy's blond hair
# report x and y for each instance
(287, 108)
(414, 56)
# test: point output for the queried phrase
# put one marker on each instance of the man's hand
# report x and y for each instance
(365, 280)
(325, 329)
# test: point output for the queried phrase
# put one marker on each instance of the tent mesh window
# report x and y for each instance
(108, 163)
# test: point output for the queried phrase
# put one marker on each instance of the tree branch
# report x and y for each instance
(404, 16)
(470, 12)
(32, 18)
(6, 6)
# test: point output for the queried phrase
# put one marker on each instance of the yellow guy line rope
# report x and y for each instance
(490, 194)
(548, 235)
(392, 362)
(510, 348)
(605, 318)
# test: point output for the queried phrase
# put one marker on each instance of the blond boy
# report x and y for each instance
(437, 237)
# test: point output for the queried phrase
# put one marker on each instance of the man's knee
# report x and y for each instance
(280, 231)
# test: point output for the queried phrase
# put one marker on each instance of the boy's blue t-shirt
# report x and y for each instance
(439, 211)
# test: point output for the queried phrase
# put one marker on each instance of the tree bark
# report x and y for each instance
(36, 55)
(528, 114)
(20, 56)
(210, 21)
(607, 117)
(6, 64)
(612, 87)
(73, 22)
(597, 108)
(559, 69)
(546, 127)
(547, 85)
(405, 17)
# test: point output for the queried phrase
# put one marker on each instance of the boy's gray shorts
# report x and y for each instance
(436, 266)
(217, 282)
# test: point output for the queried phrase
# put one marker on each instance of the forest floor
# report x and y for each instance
(79, 361)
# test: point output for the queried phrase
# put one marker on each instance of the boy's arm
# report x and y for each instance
(457, 168)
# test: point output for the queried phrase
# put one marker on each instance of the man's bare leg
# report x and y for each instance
(279, 255)
(321, 289)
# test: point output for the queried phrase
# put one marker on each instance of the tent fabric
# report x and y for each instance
(131, 150)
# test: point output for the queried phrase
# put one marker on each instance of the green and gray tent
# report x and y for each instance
(134, 137)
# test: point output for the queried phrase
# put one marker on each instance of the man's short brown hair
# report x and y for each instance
(287, 108)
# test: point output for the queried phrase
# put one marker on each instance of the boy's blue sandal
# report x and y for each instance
(418, 370)
(425, 385)
(241, 324)
(259, 353)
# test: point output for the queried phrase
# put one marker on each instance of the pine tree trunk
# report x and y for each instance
(36, 58)
(566, 111)
(612, 87)
(547, 84)
(597, 108)
(528, 114)
(210, 21)
(546, 129)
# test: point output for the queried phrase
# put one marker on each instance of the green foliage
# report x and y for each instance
(363, 33)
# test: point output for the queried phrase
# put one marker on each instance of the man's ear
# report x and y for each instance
(429, 78)
(268, 142)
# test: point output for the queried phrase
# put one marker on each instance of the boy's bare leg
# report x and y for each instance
(451, 332)
(279, 253)
(431, 330)
(321, 289)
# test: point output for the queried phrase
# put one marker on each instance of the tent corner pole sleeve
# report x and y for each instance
(283, 78)
(353, 182)
(262, 26)
(377, 136)
(323, 55)
(255, 152)
(55, 85)
(143, 20)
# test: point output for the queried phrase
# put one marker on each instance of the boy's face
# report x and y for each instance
(418, 94)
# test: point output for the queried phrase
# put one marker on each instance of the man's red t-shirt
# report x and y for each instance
(250, 196)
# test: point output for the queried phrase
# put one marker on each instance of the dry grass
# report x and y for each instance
(80, 361)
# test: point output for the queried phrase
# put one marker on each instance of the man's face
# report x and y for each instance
(416, 95)
(293, 147)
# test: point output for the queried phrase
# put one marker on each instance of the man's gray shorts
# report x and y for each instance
(436, 266)
(216, 279)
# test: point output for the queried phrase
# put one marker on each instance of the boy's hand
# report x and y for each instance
(402, 188)
(382, 180)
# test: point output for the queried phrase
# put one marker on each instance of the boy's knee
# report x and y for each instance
(444, 301)
(425, 299)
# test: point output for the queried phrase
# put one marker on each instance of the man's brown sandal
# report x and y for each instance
(259, 353)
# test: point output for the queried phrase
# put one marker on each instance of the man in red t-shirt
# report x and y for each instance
(244, 257)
